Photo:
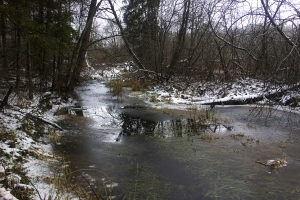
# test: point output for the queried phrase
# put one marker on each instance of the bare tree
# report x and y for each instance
(128, 46)
(82, 45)
(180, 41)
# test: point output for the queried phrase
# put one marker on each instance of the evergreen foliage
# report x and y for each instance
(141, 19)
(38, 37)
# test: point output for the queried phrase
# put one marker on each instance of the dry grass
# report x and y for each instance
(250, 126)
(116, 87)
(137, 86)
(236, 135)
(208, 137)
(21, 100)
(153, 98)
(39, 153)
(61, 111)
(134, 84)
(282, 145)
(167, 111)
(7, 135)
(226, 121)
(54, 137)
(244, 143)
(65, 188)
(278, 162)
(201, 117)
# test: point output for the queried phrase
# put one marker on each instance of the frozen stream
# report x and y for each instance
(143, 153)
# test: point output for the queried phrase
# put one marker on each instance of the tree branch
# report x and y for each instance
(136, 59)
(229, 43)
(285, 37)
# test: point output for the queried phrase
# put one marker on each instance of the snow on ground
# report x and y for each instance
(174, 96)
(178, 95)
(6, 195)
(35, 155)
(20, 148)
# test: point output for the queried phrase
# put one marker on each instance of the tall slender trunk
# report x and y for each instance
(54, 75)
(262, 62)
(4, 41)
(29, 72)
(59, 78)
(180, 39)
(222, 61)
(84, 41)
(18, 56)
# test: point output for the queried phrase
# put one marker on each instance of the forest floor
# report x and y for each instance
(28, 128)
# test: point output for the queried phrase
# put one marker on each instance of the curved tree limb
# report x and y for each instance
(132, 53)
(227, 42)
(285, 37)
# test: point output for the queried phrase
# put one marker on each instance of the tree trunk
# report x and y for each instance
(59, 77)
(54, 75)
(222, 61)
(84, 41)
(5, 100)
(128, 46)
(280, 31)
(29, 72)
(180, 39)
(4, 42)
(18, 56)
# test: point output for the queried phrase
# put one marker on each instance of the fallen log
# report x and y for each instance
(235, 101)
(37, 118)
(274, 96)
(45, 121)
(5, 100)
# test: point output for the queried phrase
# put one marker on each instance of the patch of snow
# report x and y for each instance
(6, 195)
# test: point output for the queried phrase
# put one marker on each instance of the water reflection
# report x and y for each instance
(141, 121)
(168, 128)
(177, 168)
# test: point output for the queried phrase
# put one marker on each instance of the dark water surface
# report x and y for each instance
(143, 153)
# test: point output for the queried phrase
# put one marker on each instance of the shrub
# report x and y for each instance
(116, 87)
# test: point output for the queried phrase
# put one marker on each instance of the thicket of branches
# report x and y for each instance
(44, 42)
(209, 40)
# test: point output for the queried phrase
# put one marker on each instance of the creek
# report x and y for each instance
(133, 151)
